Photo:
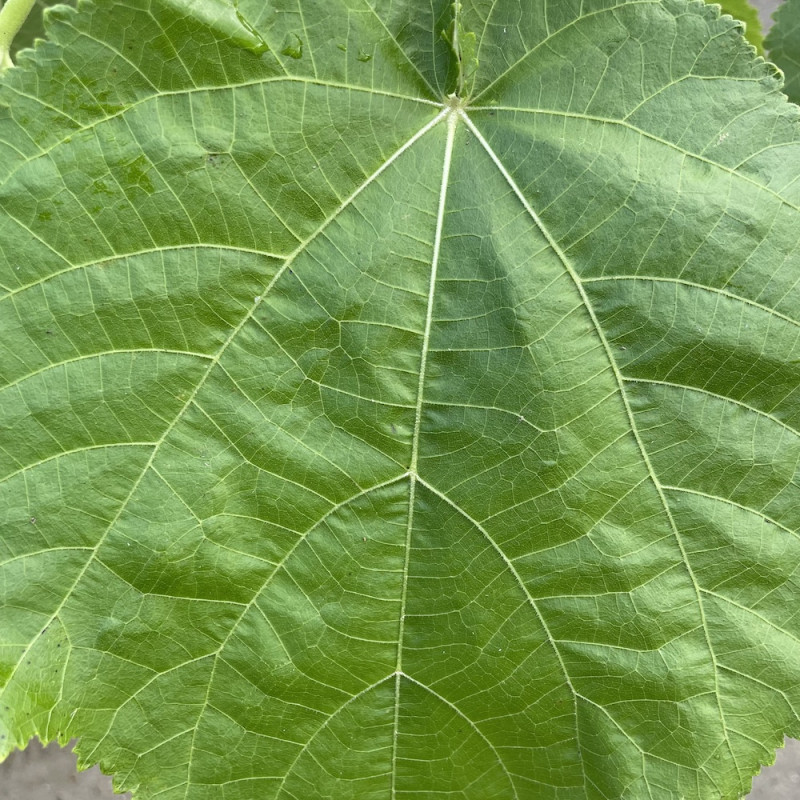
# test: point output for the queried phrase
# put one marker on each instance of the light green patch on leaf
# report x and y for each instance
(747, 13)
(363, 441)
(292, 46)
(783, 43)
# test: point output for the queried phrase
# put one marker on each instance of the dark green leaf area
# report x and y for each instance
(361, 440)
(783, 44)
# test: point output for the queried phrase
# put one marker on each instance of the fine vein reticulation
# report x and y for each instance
(363, 440)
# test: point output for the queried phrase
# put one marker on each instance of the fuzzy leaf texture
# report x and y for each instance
(784, 45)
(357, 441)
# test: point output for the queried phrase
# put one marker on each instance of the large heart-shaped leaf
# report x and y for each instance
(397, 405)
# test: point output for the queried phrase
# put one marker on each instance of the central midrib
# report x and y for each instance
(452, 122)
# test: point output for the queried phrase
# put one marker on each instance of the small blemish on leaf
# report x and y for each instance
(136, 174)
(292, 46)
(364, 56)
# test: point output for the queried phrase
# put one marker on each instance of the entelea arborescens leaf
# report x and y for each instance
(784, 45)
(362, 441)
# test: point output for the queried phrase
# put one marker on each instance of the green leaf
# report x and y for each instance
(358, 441)
(744, 11)
(784, 45)
(33, 27)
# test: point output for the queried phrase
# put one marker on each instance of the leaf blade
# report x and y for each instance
(445, 481)
(783, 43)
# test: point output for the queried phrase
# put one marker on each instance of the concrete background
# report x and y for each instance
(766, 7)
(49, 773)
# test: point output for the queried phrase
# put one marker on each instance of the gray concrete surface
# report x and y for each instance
(49, 773)
(766, 7)
(40, 773)
(781, 781)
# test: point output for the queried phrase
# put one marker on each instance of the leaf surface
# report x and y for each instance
(784, 46)
(360, 441)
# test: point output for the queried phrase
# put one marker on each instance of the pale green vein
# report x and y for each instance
(751, 611)
(647, 135)
(64, 453)
(112, 257)
(692, 285)
(709, 393)
(89, 356)
(721, 499)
